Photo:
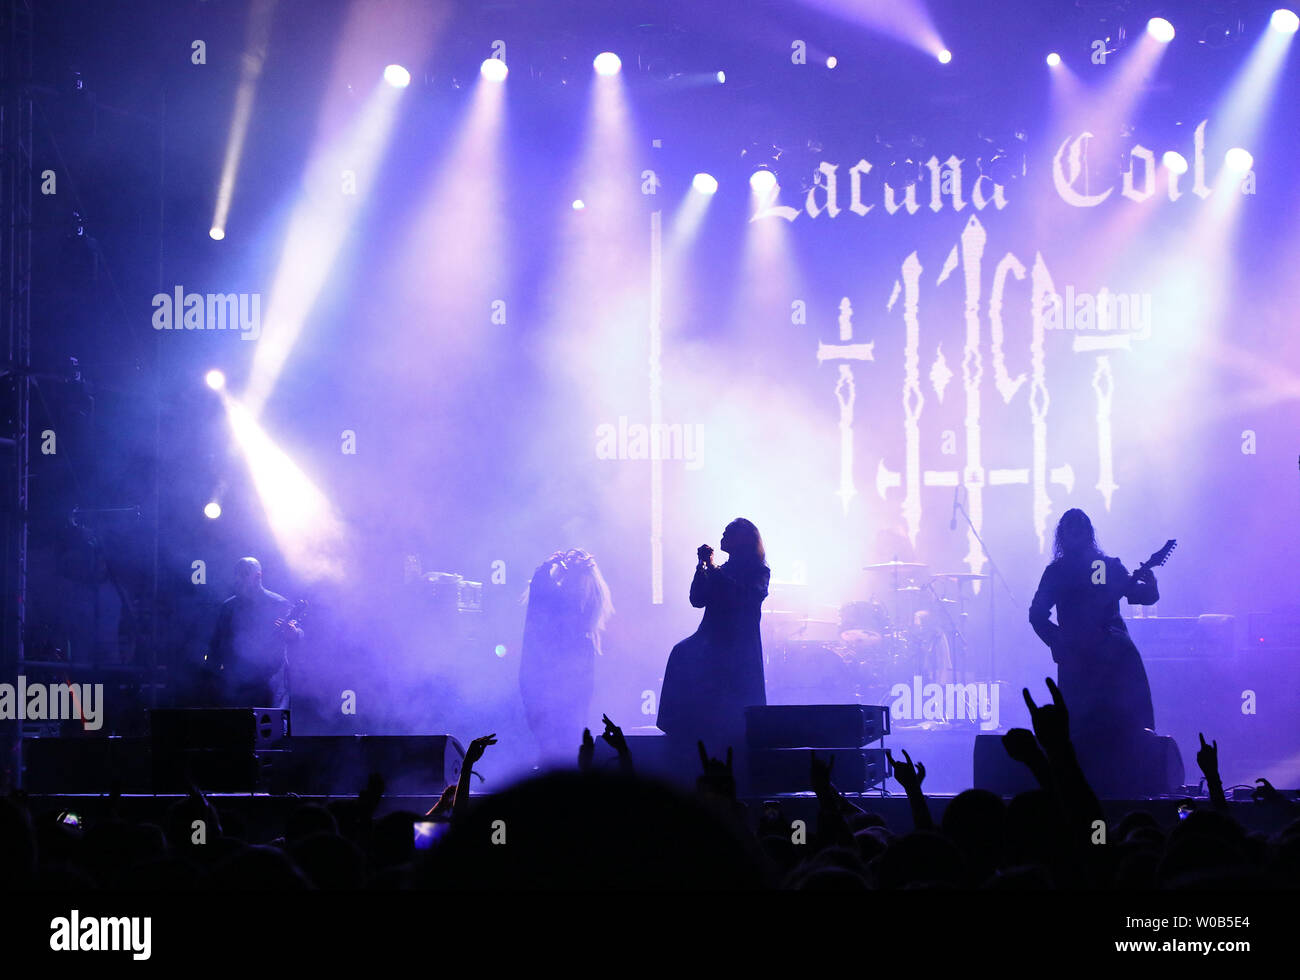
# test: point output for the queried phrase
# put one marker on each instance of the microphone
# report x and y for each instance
(956, 494)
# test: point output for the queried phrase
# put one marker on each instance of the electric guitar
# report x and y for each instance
(210, 676)
(1157, 558)
(295, 611)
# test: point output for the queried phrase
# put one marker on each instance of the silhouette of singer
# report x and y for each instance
(715, 673)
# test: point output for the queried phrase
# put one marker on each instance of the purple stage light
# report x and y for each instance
(705, 183)
(1284, 20)
(607, 63)
(762, 181)
(1160, 29)
(1238, 160)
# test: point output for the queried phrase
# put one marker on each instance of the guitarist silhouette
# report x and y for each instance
(1101, 675)
(248, 658)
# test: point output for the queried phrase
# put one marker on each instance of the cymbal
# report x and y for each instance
(796, 616)
(959, 576)
(893, 564)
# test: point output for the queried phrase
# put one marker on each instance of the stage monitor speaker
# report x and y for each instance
(215, 749)
(339, 765)
(787, 770)
(780, 726)
(1150, 765)
(86, 765)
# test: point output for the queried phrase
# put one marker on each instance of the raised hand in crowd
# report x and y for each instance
(1281, 809)
(613, 736)
(1051, 721)
(472, 755)
(910, 777)
(716, 778)
(1207, 757)
(1023, 747)
(1052, 729)
(446, 803)
(832, 827)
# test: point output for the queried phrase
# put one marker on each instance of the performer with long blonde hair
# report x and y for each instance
(568, 606)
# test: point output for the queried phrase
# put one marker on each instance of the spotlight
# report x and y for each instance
(216, 234)
(500, 650)
(1053, 59)
(1284, 20)
(494, 70)
(1160, 29)
(607, 63)
(721, 77)
(945, 56)
(212, 510)
(579, 204)
(705, 183)
(1238, 160)
(832, 61)
(397, 76)
(1175, 161)
(762, 182)
(215, 380)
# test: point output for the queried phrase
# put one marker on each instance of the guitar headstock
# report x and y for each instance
(1158, 558)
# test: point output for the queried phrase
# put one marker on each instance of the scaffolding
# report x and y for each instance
(16, 174)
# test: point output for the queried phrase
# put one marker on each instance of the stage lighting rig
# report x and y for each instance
(761, 157)
(1222, 30)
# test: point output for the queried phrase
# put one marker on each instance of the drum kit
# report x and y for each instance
(820, 657)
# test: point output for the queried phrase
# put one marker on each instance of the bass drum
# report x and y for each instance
(810, 673)
(894, 660)
(870, 616)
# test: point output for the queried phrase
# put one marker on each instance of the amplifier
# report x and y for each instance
(216, 749)
(779, 726)
(1273, 631)
(412, 765)
(787, 770)
(211, 728)
(1208, 637)
(86, 765)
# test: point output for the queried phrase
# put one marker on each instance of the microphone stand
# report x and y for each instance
(997, 574)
